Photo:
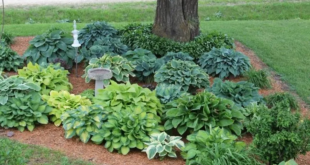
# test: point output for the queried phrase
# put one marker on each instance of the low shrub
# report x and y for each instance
(284, 97)
(278, 134)
(47, 78)
(9, 60)
(168, 92)
(258, 77)
(224, 62)
(84, 122)
(184, 73)
(140, 36)
(63, 101)
(193, 113)
(121, 68)
(242, 93)
(49, 47)
(250, 111)
(89, 34)
(163, 145)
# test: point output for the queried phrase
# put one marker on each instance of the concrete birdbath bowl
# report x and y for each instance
(99, 74)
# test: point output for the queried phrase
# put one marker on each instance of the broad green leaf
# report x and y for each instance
(125, 150)
(43, 119)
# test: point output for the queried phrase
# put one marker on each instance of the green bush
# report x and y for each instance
(47, 78)
(278, 134)
(258, 77)
(242, 93)
(8, 38)
(146, 63)
(50, 47)
(224, 62)
(140, 36)
(63, 101)
(284, 97)
(89, 34)
(168, 92)
(163, 145)
(193, 113)
(121, 68)
(177, 56)
(215, 147)
(184, 73)
(84, 121)
(9, 60)
(250, 111)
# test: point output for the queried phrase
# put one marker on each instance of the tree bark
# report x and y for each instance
(177, 19)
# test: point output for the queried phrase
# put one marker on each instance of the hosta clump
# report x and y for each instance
(48, 47)
(258, 77)
(47, 78)
(24, 110)
(193, 113)
(243, 93)
(145, 61)
(89, 34)
(279, 134)
(177, 56)
(63, 101)
(285, 97)
(224, 62)
(84, 121)
(88, 93)
(7, 37)
(121, 68)
(184, 73)
(118, 97)
(250, 111)
(168, 92)
(215, 147)
(163, 145)
(128, 128)
(9, 60)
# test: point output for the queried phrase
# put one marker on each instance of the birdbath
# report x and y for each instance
(99, 74)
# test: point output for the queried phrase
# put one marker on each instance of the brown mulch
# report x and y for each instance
(52, 137)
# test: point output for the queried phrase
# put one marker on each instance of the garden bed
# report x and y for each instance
(53, 137)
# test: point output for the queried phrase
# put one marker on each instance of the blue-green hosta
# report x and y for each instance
(84, 121)
(47, 78)
(163, 145)
(168, 92)
(121, 68)
(224, 62)
(63, 101)
(177, 56)
(184, 73)
(9, 60)
(194, 113)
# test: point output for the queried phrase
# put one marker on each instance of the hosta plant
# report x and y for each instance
(290, 162)
(279, 134)
(184, 73)
(47, 78)
(9, 60)
(146, 63)
(63, 101)
(121, 68)
(202, 141)
(89, 34)
(224, 62)
(168, 92)
(48, 47)
(260, 78)
(250, 111)
(118, 97)
(11, 86)
(163, 145)
(84, 122)
(283, 97)
(128, 128)
(7, 37)
(88, 93)
(194, 113)
(24, 111)
(243, 93)
(177, 56)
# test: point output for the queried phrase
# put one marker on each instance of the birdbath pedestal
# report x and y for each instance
(99, 74)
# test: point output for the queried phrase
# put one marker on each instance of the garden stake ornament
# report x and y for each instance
(76, 45)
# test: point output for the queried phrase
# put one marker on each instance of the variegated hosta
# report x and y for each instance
(84, 121)
(164, 145)
(63, 101)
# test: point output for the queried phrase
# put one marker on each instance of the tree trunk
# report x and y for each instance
(177, 19)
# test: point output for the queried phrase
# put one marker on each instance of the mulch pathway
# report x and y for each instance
(52, 137)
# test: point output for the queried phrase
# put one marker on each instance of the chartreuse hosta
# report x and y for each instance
(163, 145)
(63, 101)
